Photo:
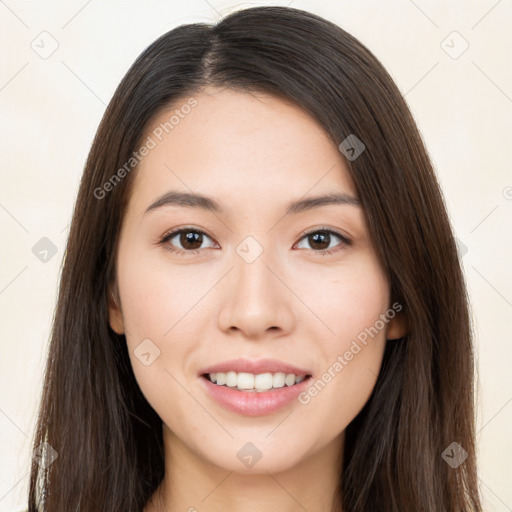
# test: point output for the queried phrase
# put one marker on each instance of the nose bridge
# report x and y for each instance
(254, 282)
(256, 300)
(253, 277)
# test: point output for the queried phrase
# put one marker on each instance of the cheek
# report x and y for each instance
(157, 305)
(346, 300)
(158, 298)
(158, 345)
(351, 349)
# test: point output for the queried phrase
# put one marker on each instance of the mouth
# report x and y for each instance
(254, 387)
(255, 383)
(254, 394)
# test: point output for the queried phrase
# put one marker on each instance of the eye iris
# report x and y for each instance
(320, 237)
(191, 237)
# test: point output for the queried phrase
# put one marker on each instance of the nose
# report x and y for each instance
(256, 301)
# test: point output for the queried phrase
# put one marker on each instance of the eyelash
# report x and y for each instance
(326, 252)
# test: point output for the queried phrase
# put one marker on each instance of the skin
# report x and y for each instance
(253, 154)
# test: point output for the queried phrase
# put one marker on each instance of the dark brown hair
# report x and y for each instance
(93, 414)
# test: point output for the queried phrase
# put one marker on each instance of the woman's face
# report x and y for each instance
(250, 278)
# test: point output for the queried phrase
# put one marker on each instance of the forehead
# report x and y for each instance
(240, 145)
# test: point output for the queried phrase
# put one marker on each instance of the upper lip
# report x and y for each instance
(255, 367)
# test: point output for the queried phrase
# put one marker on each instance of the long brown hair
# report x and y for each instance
(93, 414)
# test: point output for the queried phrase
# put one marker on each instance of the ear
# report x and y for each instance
(115, 314)
(397, 327)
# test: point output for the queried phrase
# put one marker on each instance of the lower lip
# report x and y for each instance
(254, 403)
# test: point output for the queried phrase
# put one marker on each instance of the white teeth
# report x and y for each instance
(245, 381)
(263, 381)
(255, 383)
(278, 380)
(289, 379)
(231, 379)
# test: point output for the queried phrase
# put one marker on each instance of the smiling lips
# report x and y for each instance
(254, 387)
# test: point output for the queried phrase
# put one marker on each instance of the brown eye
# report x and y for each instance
(190, 239)
(320, 241)
(185, 241)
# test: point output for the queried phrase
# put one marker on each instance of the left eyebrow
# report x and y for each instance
(316, 202)
(192, 200)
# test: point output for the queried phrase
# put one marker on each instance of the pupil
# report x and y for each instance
(191, 237)
(316, 237)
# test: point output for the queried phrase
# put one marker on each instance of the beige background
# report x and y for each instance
(51, 108)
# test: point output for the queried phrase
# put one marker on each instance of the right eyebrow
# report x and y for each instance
(186, 199)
